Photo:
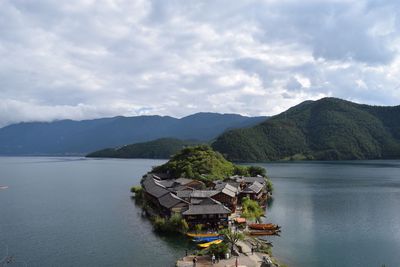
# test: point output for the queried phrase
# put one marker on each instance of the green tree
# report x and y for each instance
(251, 209)
(218, 249)
(232, 237)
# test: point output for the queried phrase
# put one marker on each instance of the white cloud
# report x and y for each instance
(88, 59)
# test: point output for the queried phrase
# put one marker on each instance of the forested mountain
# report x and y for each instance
(162, 148)
(326, 129)
(81, 137)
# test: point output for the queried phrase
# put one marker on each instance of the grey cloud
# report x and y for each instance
(85, 59)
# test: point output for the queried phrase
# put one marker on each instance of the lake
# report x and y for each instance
(78, 212)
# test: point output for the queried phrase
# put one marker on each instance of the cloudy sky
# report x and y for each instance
(87, 59)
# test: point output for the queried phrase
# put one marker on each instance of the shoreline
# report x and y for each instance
(245, 257)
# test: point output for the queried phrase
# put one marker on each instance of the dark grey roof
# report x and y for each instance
(161, 176)
(170, 200)
(177, 188)
(196, 201)
(259, 179)
(228, 192)
(207, 209)
(167, 183)
(153, 188)
(226, 188)
(255, 187)
(183, 181)
(203, 193)
(184, 193)
(209, 201)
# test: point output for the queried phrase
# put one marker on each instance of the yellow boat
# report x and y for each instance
(206, 245)
(201, 235)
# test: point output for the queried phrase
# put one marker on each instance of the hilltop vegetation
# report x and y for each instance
(327, 129)
(202, 162)
(162, 148)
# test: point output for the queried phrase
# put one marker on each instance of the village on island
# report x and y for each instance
(215, 203)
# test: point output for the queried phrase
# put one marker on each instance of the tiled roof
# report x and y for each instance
(255, 187)
(209, 201)
(226, 189)
(167, 183)
(203, 193)
(207, 209)
(259, 179)
(183, 181)
(153, 188)
(184, 193)
(170, 200)
(228, 192)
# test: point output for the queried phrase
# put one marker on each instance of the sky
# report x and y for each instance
(84, 59)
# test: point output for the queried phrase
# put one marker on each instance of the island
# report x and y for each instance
(215, 203)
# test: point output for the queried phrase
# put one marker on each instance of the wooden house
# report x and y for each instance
(210, 213)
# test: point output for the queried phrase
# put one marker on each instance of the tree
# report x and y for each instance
(256, 170)
(232, 237)
(251, 209)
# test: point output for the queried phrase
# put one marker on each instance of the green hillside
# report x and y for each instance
(201, 162)
(327, 129)
(158, 149)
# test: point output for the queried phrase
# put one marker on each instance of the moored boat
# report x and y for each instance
(206, 239)
(202, 235)
(264, 226)
(206, 245)
(265, 232)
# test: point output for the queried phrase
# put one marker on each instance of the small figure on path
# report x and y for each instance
(252, 250)
(186, 252)
(194, 261)
(213, 259)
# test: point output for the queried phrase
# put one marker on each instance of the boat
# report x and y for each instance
(206, 239)
(3, 187)
(264, 226)
(206, 245)
(202, 235)
(265, 232)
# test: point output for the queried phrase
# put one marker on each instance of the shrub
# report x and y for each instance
(173, 224)
(256, 170)
(251, 209)
(219, 250)
(270, 186)
(159, 224)
(138, 191)
(198, 228)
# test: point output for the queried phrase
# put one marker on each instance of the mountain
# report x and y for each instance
(81, 137)
(162, 148)
(326, 129)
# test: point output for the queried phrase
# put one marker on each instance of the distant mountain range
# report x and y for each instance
(67, 137)
(162, 148)
(326, 129)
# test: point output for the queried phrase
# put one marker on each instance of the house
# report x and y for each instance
(153, 190)
(174, 183)
(252, 187)
(209, 212)
(227, 194)
(197, 196)
(195, 184)
(254, 191)
(171, 204)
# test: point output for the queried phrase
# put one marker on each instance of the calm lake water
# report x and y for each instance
(78, 212)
